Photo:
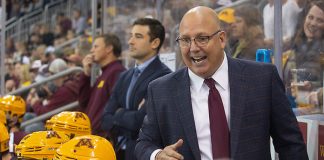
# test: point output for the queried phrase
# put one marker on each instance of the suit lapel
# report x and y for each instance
(124, 84)
(149, 70)
(184, 110)
(237, 88)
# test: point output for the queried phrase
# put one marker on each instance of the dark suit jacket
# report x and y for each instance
(258, 109)
(127, 122)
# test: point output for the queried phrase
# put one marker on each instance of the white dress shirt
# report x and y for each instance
(199, 100)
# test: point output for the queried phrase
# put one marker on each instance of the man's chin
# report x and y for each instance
(203, 73)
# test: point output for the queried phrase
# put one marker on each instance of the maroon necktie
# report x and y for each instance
(219, 131)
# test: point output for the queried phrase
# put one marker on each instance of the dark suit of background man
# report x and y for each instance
(254, 104)
(124, 112)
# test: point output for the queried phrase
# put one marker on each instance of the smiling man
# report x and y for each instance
(217, 107)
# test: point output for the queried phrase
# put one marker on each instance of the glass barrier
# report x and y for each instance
(303, 61)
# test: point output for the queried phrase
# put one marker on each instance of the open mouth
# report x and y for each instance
(198, 59)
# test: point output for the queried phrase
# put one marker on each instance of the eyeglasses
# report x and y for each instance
(199, 40)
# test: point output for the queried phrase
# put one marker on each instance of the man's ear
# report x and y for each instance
(109, 48)
(155, 43)
(222, 38)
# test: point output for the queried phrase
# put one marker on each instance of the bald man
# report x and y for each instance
(217, 107)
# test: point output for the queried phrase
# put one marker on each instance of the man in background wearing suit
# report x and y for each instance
(124, 112)
(217, 107)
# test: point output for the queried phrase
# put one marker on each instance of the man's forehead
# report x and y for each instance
(99, 40)
(198, 26)
(140, 29)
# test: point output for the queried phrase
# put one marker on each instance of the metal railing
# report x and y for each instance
(68, 43)
(49, 114)
(50, 78)
(26, 22)
(18, 28)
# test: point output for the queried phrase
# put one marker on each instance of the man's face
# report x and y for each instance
(314, 23)
(202, 60)
(99, 50)
(140, 46)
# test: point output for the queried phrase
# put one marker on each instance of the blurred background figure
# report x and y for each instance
(64, 22)
(22, 74)
(47, 36)
(33, 70)
(59, 92)
(92, 98)
(74, 60)
(79, 22)
(21, 55)
(247, 32)
(290, 13)
(227, 18)
(306, 55)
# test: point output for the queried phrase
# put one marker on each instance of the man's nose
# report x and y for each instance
(130, 40)
(193, 46)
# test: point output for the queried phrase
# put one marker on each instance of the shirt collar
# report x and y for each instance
(142, 66)
(220, 76)
(110, 64)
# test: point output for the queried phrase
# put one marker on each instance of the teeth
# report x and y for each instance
(197, 60)
(312, 29)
